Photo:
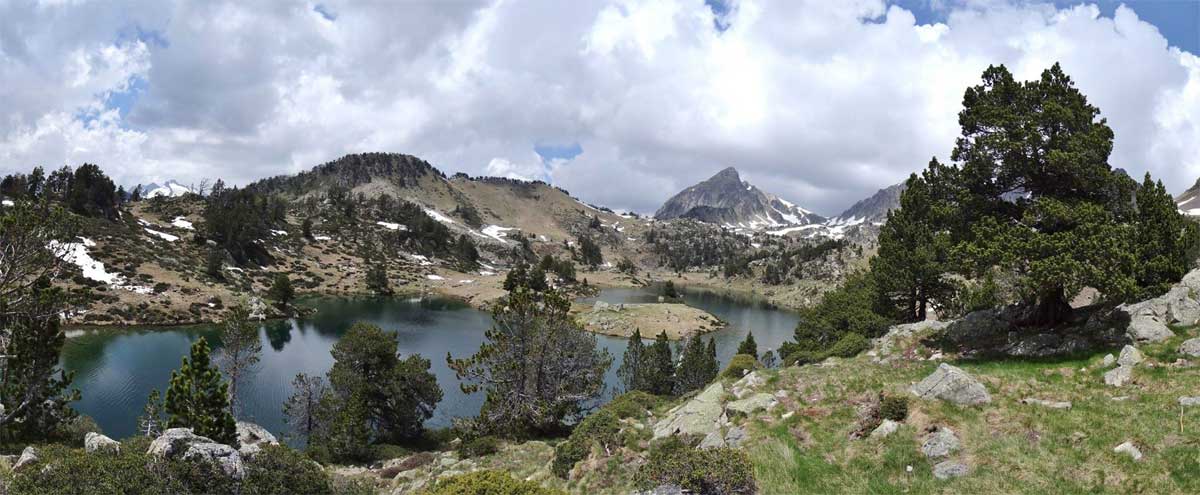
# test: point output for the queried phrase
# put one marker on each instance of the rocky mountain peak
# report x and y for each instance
(725, 199)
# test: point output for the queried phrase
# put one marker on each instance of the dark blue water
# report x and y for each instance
(117, 369)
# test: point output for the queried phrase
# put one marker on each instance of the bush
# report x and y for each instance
(633, 404)
(849, 345)
(893, 407)
(739, 365)
(480, 446)
(486, 482)
(601, 428)
(717, 471)
(278, 469)
(129, 472)
(566, 454)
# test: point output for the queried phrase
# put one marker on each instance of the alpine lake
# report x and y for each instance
(116, 368)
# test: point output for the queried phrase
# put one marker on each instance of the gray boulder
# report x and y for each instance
(698, 416)
(747, 384)
(1108, 361)
(1049, 404)
(757, 402)
(713, 440)
(183, 444)
(735, 436)
(1190, 347)
(1189, 401)
(954, 385)
(941, 443)
(949, 469)
(885, 346)
(663, 490)
(1128, 448)
(1143, 329)
(1130, 356)
(1119, 376)
(252, 438)
(885, 429)
(96, 443)
(29, 457)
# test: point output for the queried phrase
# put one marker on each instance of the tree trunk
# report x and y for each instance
(1052, 308)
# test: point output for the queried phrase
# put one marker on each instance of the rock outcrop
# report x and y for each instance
(29, 457)
(954, 385)
(694, 417)
(183, 444)
(96, 443)
(1190, 347)
(252, 438)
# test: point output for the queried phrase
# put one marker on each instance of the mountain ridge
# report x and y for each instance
(726, 199)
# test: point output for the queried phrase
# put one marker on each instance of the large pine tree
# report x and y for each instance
(1166, 241)
(633, 364)
(660, 366)
(198, 397)
(910, 267)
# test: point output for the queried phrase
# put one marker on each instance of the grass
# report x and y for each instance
(1011, 447)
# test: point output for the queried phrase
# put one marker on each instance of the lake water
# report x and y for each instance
(117, 369)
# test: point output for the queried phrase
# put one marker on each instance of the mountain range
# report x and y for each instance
(170, 188)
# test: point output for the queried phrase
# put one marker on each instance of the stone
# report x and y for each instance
(885, 346)
(885, 429)
(29, 457)
(713, 440)
(757, 402)
(949, 469)
(252, 438)
(183, 443)
(953, 385)
(1049, 404)
(96, 443)
(1190, 347)
(694, 417)
(1189, 401)
(941, 443)
(735, 436)
(1109, 361)
(1130, 449)
(1148, 330)
(747, 384)
(663, 490)
(1130, 356)
(1119, 376)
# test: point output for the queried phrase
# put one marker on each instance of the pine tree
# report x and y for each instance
(633, 365)
(305, 227)
(518, 276)
(537, 279)
(748, 346)
(912, 260)
(1166, 241)
(660, 366)
(377, 279)
(198, 398)
(150, 423)
(302, 411)
(281, 290)
(240, 352)
(698, 366)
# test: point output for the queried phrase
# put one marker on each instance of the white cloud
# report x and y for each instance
(821, 102)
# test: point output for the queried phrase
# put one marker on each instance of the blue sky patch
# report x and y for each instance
(551, 152)
(325, 12)
(720, 9)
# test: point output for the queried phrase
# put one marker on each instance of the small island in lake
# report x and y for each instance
(677, 319)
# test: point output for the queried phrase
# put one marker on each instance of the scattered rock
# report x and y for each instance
(941, 443)
(713, 440)
(949, 469)
(735, 436)
(1130, 449)
(747, 384)
(1130, 356)
(96, 443)
(1119, 376)
(252, 438)
(886, 428)
(694, 417)
(954, 385)
(1142, 329)
(885, 346)
(1189, 401)
(182, 443)
(787, 415)
(663, 490)
(29, 456)
(1050, 404)
(1190, 347)
(757, 402)
(1108, 361)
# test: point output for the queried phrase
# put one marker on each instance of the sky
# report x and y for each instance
(621, 102)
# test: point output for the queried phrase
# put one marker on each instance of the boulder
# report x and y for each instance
(885, 346)
(698, 416)
(182, 443)
(713, 440)
(1130, 449)
(1130, 356)
(757, 402)
(1144, 329)
(29, 457)
(1190, 347)
(949, 469)
(252, 438)
(96, 443)
(735, 436)
(1108, 361)
(1119, 376)
(954, 385)
(885, 429)
(1189, 401)
(663, 489)
(1176, 307)
(747, 384)
(941, 443)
